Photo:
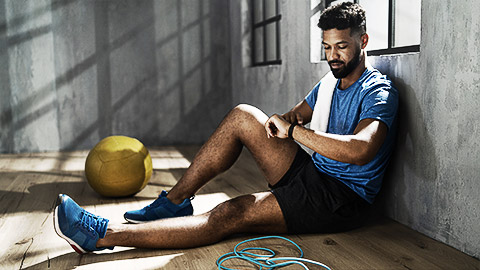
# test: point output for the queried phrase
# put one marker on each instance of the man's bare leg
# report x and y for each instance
(243, 126)
(258, 212)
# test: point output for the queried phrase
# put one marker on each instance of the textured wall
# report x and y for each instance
(274, 88)
(75, 71)
(432, 185)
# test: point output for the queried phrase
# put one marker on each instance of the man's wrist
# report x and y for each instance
(290, 130)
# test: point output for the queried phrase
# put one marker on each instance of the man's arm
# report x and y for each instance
(359, 148)
(301, 113)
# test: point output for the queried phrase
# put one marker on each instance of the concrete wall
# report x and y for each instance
(75, 71)
(432, 185)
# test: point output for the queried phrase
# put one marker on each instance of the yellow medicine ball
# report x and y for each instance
(118, 166)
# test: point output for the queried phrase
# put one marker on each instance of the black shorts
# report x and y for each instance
(313, 202)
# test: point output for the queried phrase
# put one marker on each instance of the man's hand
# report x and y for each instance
(293, 117)
(277, 126)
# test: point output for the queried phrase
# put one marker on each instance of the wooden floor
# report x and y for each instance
(29, 184)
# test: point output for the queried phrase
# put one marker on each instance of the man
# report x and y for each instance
(327, 192)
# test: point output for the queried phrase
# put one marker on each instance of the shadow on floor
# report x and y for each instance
(40, 197)
(120, 259)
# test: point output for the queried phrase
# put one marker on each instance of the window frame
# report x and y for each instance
(263, 24)
(391, 36)
(390, 50)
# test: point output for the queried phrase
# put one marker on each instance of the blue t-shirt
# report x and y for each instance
(371, 96)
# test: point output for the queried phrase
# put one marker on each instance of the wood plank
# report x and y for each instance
(29, 184)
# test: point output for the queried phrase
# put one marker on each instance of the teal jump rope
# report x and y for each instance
(267, 261)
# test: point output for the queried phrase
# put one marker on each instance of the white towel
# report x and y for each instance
(321, 111)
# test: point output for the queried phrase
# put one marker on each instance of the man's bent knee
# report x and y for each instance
(248, 111)
(247, 213)
(248, 118)
(245, 107)
(229, 217)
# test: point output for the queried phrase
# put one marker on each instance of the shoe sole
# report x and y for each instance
(72, 243)
(141, 222)
(135, 221)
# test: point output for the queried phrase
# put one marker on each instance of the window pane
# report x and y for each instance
(407, 23)
(258, 10)
(377, 23)
(314, 4)
(271, 41)
(259, 45)
(270, 8)
(316, 51)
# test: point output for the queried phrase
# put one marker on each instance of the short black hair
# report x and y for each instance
(342, 16)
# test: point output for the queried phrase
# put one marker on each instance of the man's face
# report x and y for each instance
(342, 51)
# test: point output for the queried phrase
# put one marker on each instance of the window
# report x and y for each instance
(392, 25)
(266, 32)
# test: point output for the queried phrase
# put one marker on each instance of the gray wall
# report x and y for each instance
(433, 182)
(75, 71)
(433, 185)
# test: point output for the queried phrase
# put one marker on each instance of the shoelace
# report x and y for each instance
(92, 222)
(155, 203)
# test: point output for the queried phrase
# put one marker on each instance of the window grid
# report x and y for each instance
(391, 36)
(262, 24)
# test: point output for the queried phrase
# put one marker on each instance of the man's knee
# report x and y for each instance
(245, 108)
(247, 117)
(244, 111)
(231, 216)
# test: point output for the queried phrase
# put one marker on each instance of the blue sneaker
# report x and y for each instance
(160, 208)
(78, 227)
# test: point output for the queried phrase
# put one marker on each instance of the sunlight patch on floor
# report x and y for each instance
(165, 163)
(156, 262)
(205, 202)
(44, 162)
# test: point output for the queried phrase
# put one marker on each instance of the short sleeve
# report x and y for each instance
(380, 103)
(311, 97)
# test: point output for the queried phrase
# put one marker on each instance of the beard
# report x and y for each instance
(347, 68)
